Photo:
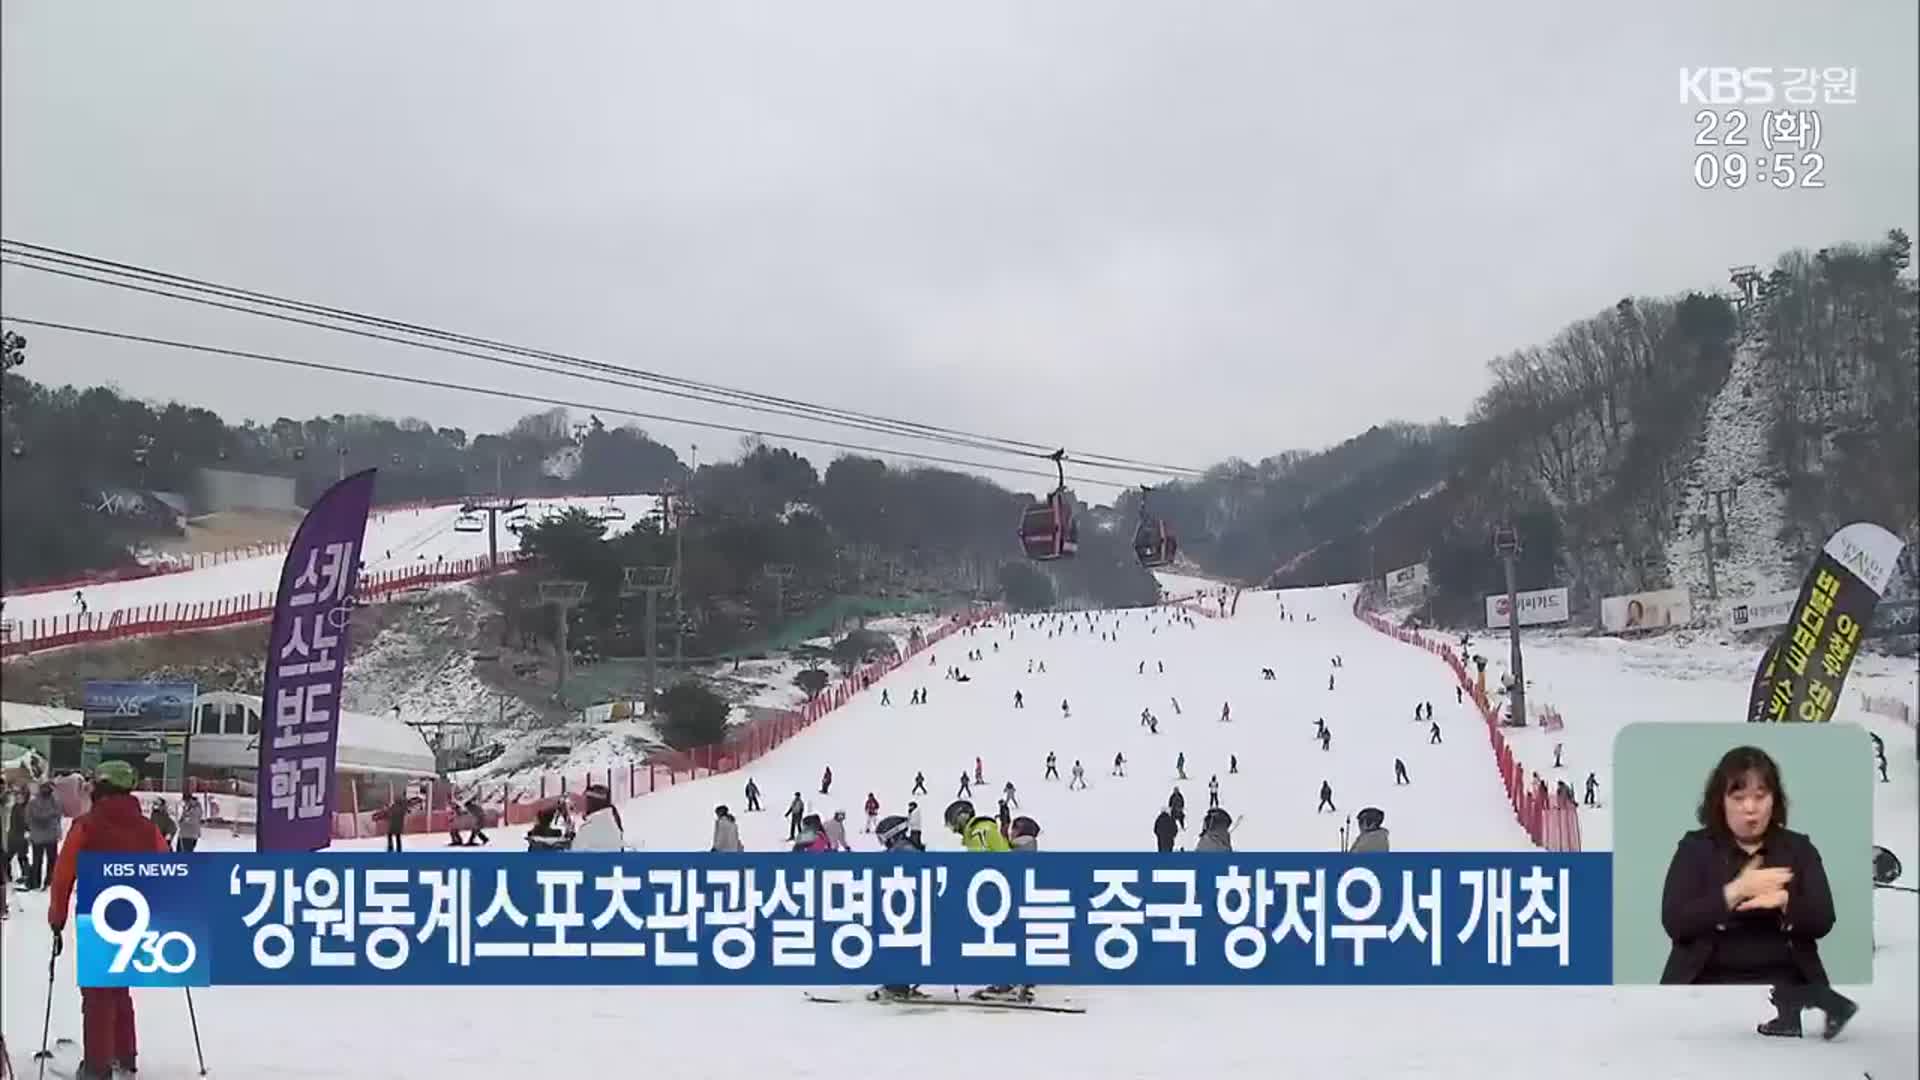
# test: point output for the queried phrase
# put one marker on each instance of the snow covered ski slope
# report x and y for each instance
(396, 540)
(1223, 1033)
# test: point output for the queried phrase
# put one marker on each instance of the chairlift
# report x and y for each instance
(1153, 543)
(470, 523)
(1048, 529)
(612, 511)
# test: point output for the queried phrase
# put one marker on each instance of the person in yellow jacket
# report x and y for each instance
(976, 833)
(979, 833)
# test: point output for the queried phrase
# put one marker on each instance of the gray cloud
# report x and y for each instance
(1170, 232)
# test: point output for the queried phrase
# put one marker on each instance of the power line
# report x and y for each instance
(731, 397)
(540, 399)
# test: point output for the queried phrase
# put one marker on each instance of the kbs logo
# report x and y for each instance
(145, 934)
(1727, 86)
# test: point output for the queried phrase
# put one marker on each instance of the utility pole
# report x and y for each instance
(649, 581)
(565, 596)
(1506, 544)
(1704, 530)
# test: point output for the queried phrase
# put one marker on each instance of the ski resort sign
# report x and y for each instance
(1764, 610)
(1540, 607)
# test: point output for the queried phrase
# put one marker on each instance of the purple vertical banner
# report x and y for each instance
(306, 655)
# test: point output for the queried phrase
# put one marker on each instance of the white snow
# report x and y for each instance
(1223, 1033)
(395, 540)
(1734, 455)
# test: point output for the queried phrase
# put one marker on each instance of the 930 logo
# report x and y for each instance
(146, 934)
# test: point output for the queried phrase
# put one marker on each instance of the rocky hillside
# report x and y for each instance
(1604, 448)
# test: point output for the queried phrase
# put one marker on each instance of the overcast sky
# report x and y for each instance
(1167, 231)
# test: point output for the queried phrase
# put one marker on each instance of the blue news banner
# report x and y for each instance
(1064, 918)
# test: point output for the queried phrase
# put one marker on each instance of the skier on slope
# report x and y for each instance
(1180, 765)
(872, 808)
(966, 786)
(1178, 804)
(979, 772)
(1013, 799)
(1326, 799)
(1233, 764)
(114, 824)
(1433, 737)
(796, 810)
(600, 827)
(1079, 780)
(1053, 768)
(1213, 791)
(726, 831)
(1400, 773)
(826, 780)
(1216, 831)
(1326, 739)
(919, 784)
(1019, 701)
(897, 835)
(836, 830)
(1164, 830)
(1119, 765)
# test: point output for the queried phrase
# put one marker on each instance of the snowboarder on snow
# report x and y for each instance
(1119, 764)
(1593, 788)
(1326, 740)
(1226, 712)
(1180, 764)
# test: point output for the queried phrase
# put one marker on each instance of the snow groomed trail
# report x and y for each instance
(1454, 803)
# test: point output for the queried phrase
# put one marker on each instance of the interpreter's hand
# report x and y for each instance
(1775, 900)
(1755, 880)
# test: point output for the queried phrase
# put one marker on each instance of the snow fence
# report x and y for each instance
(1552, 821)
(745, 743)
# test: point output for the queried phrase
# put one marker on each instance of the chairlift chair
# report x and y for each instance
(469, 523)
(612, 511)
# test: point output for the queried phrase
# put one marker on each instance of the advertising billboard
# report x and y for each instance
(109, 705)
(1655, 610)
(1538, 607)
(1407, 583)
(1762, 610)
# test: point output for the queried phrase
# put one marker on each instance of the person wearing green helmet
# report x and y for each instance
(115, 824)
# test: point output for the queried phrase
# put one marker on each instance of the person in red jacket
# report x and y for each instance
(115, 823)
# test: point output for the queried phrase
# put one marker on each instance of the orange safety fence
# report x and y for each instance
(1551, 820)
(509, 803)
(56, 631)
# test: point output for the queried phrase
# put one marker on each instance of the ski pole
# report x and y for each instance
(46, 1024)
(195, 1021)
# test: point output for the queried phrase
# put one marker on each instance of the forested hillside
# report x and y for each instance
(1596, 447)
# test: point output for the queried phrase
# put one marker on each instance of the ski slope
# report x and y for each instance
(396, 540)
(1223, 1033)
